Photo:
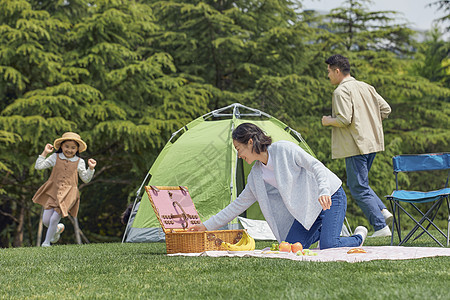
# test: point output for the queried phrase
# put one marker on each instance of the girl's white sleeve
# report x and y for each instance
(85, 174)
(45, 163)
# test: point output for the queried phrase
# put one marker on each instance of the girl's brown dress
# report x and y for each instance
(60, 192)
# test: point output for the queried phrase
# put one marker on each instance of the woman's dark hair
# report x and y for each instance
(60, 147)
(246, 131)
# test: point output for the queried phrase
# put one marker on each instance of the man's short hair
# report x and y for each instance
(340, 62)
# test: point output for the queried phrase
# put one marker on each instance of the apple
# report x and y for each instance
(296, 247)
(285, 247)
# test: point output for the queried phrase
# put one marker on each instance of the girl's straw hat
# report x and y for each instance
(70, 136)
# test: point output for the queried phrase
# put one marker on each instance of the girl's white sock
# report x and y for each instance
(46, 216)
(53, 221)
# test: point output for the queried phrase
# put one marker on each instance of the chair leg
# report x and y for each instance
(399, 227)
(430, 222)
(448, 225)
(435, 208)
(418, 224)
(395, 221)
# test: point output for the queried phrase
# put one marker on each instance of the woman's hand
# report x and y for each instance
(198, 227)
(92, 163)
(325, 201)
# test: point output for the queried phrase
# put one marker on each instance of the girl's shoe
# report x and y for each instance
(45, 245)
(59, 229)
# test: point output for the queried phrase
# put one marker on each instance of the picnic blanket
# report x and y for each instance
(337, 254)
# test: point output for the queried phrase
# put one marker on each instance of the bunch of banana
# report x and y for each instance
(246, 243)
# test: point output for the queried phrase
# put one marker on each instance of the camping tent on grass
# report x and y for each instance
(201, 157)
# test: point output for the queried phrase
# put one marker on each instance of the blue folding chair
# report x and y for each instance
(412, 163)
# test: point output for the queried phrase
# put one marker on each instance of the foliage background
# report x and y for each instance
(126, 74)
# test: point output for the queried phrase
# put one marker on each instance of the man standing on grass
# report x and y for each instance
(356, 135)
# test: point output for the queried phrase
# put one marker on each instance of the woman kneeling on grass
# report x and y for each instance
(293, 191)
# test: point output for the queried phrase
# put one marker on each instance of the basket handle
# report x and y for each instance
(183, 215)
(154, 188)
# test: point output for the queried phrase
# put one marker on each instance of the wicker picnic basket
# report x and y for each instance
(176, 212)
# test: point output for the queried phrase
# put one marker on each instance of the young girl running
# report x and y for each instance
(59, 196)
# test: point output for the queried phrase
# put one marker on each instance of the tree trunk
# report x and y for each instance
(29, 226)
(76, 229)
(84, 237)
(18, 236)
(40, 229)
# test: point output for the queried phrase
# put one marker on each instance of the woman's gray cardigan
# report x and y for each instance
(301, 180)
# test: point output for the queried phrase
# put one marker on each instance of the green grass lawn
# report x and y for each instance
(143, 271)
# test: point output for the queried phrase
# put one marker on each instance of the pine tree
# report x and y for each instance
(442, 6)
(231, 45)
(29, 61)
(90, 69)
(357, 28)
(434, 60)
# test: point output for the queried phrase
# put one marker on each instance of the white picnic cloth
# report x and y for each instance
(337, 254)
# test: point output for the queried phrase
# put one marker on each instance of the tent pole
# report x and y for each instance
(134, 204)
(348, 226)
(236, 114)
(299, 136)
(233, 174)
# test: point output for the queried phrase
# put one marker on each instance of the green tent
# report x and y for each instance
(201, 157)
